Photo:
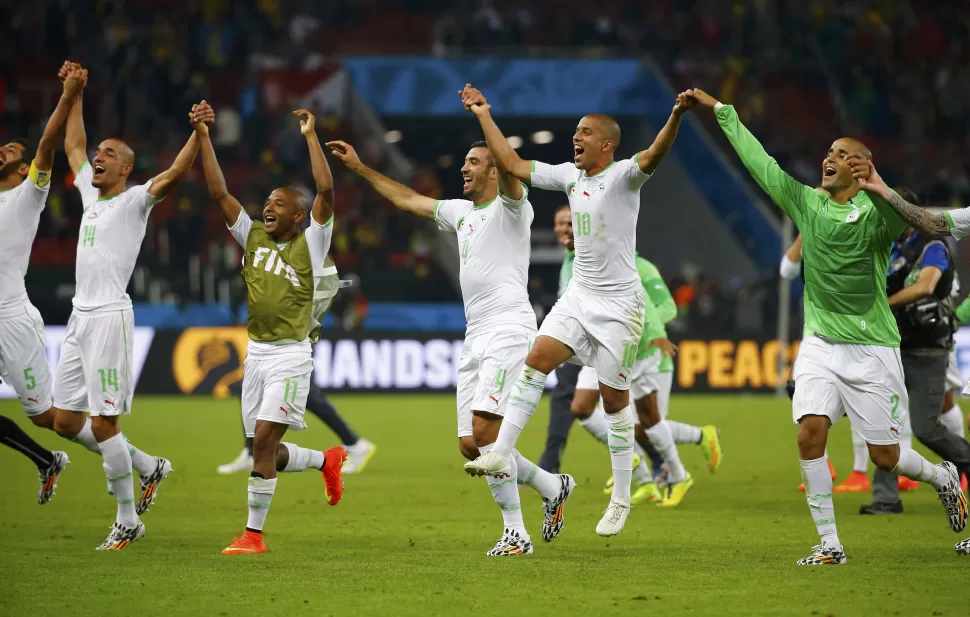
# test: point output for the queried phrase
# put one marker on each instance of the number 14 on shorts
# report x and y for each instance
(109, 379)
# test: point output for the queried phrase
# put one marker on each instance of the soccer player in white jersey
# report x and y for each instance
(24, 186)
(599, 318)
(492, 225)
(94, 370)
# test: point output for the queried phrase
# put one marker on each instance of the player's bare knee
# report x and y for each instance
(467, 447)
(104, 427)
(485, 427)
(546, 354)
(614, 400)
(648, 412)
(812, 437)
(44, 420)
(584, 403)
(884, 457)
(67, 424)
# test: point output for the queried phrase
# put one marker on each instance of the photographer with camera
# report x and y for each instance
(918, 282)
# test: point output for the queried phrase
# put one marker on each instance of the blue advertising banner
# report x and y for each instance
(425, 86)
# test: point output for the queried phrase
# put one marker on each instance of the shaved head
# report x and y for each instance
(125, 154)
(858, 146)
(609, 128)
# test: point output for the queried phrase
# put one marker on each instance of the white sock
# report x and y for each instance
(143, 463)
(117, 466)
(684, 433)
(260, 496)
(952, 420)
(915, 467)
(641, 473)
(596, 424)
(521, 406)
(505, 492)
(85, 437)
(818, 493)
(301, 459)
(621, 452)
(860, 453)
(546, 484)
(663, 441)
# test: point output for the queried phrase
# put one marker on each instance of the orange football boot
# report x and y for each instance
(250, 543)
(963, 482)
(335, 459)
(857, 482)
(905, 484)
(801, 487)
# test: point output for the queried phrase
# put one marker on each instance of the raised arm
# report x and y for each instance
(75, 139)
(323, 202)
(74, 80)
(791, 261)
(401, 196)
(785, 191)
(649, 159)
(214, 179)
(504, 154)
(920, 218)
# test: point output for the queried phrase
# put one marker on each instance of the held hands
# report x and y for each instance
(684, 103)
(202, 117)
(346, 153)
(664, 345)
(701, 98)
(474, 100)
(308, 123)
(74, 76)
(866, 175)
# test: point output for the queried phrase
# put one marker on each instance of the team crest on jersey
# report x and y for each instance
(853, 217)
(461, 222)
(571, 189)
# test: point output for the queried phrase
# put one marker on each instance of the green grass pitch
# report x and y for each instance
(410, 535)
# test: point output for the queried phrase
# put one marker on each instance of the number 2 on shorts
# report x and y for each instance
(109, 379)
(894, 399)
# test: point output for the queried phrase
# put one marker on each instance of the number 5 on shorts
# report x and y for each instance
(29, 380)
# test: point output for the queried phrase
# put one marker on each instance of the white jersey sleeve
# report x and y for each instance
(447, 213)
(140, 204)
(959, 221)
(82, 181)
(318, 239)
(515, 206)
(633, 174)
(240, 229)
(552, 177)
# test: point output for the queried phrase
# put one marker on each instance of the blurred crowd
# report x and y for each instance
(895, 73)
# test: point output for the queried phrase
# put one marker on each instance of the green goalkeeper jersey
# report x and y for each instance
(845, 247)
(660, 309)
(291, 285)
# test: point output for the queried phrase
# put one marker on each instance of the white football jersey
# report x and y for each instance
(108, 243)
(605, 208)
(494, 242)
(20, 210)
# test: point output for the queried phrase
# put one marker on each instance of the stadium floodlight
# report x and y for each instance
(542, 137)
(392, 137)
(515, 141)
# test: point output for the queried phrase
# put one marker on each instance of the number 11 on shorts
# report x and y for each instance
(629, 355)
(289, 395)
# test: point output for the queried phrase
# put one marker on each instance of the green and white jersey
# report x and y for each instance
(845, 247)
(493, 250)
(20, 210)
(112, 229)
(291, 285)
(660, 309)
(959, 221)
(605, 208)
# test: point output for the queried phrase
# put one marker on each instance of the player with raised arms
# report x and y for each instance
(25, 182)
(291, 283)
(94, 373)
(599, 319)
(849, 359)
(492, 225)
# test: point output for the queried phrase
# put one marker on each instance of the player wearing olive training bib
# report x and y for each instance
(291, 283)
(849, 359)
(599, 319)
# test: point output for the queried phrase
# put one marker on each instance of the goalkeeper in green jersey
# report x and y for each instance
(849, 361)
(291, 285)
